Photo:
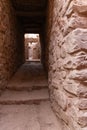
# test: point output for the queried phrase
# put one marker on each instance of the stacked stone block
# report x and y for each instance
(66, 37)
(11, 42)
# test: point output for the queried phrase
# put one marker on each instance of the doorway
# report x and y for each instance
(32, 47)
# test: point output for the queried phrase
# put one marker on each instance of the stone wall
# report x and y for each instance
(66, 39)
(36, 51)
(42, 43)
(26, 50)
(11, 42)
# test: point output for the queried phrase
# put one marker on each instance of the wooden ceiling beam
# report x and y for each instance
(29, 5)
(31, 25)
(30, 14)
(29, 2)
(32, 29)
(33, 20)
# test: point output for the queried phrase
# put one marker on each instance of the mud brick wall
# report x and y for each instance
(11, 42)
(66, 39)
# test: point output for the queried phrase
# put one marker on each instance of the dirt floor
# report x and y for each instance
(28, 117)
(30, 75)
(22, 109)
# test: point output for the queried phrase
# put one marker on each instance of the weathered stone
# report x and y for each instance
(82, 104)
(65, 6)
(59, 112)
(51, 61)
(63, 74)
(74, 22)
(63, 52)
(61, 99)
(56, 83)
(82, 91)
(71, 86)
(73, 112)
(80, 6)
(70, 9)
(76, 41)
(11, 42)
(78, 21)
(78, 75)
(82, 120)
(67, 73)
(57, 52)
(85, 128)
(77, 62)
(59, 63)
(70, 121)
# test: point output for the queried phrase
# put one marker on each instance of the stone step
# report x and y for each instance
(29, 117)
(27, 87)
(24, 97)
(30, 76)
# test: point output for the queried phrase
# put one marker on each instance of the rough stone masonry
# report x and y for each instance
(11, 42)
(66, 53)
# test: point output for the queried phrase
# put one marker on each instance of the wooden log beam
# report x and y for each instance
(30, 14)
(29, 2)
(32, 25)
(32, 30)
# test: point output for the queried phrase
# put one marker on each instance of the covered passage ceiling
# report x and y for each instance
(32, 14)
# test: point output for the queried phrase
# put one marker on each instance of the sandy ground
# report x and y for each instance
(28, 110)
(28, 117)
(30, 75)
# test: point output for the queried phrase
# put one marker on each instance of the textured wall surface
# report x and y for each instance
(64, 54)
(66, 37)
(36, 51)
(11, 42)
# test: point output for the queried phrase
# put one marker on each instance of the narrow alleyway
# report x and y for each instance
(25, 105)
(31, 75)
(31, 99)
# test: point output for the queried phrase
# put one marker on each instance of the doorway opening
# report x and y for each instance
(32, 47)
